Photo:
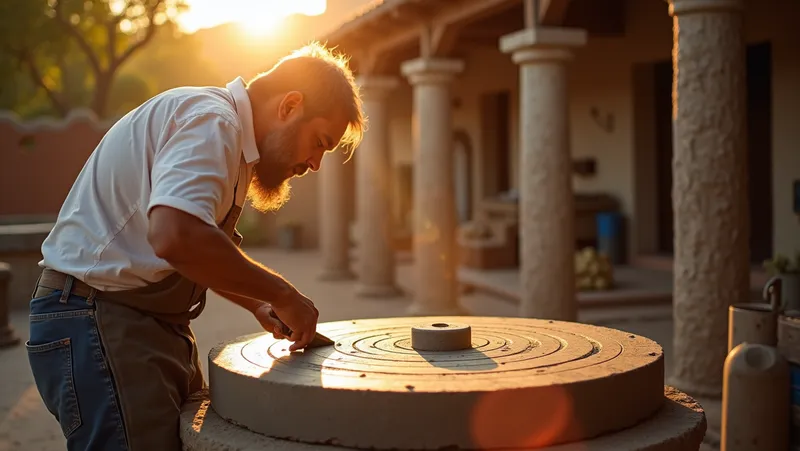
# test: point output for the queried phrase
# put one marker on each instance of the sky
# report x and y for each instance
(256, 16)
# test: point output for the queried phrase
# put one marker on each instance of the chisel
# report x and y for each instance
(318, 341)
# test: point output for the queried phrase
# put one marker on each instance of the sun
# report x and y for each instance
(261, 25)
(254, 17)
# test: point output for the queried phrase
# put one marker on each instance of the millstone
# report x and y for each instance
(523, 383)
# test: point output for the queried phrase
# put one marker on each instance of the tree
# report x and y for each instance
(72, 49)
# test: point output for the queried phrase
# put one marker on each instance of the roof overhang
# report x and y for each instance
(385, 26)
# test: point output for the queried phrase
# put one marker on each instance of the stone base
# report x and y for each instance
(335, 275)
(7, 337)
(378, 291)
(713, 410)
(591, 380)
(678, 426)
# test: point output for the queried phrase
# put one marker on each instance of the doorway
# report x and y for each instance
(462, 176)
(495, 113)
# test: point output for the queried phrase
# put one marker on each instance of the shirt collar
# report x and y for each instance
(245, 112)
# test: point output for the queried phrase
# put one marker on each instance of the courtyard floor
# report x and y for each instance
(25, 424)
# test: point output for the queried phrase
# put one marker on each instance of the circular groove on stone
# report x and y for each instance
(521, 380)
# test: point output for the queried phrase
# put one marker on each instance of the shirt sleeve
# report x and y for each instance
(191, 172)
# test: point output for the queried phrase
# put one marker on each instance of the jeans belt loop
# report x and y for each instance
(67, 289)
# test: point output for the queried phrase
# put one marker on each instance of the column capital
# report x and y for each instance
(679, 7)
(431, 70)
(542, 44)
(376, 86)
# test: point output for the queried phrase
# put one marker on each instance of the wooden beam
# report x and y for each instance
(444, 39)
(444, 20)
(552, 12)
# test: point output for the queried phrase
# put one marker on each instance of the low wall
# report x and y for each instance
(41, 158)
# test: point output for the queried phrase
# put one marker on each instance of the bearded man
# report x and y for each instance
(149, 226)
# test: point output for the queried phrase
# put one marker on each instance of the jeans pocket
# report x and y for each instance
(51, 364)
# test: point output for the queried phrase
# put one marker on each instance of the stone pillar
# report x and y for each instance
(435, 259)
(334, 232)
(376, 255)
(547, 211)
(7, 335)
(710, 197)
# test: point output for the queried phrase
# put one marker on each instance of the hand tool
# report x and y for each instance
(319, 340)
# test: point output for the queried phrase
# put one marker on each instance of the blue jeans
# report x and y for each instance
(72, 373)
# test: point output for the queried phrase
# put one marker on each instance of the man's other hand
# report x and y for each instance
(298, 313)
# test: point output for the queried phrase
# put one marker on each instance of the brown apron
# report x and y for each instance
(149, 345)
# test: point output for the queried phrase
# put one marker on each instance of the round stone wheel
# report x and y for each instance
(524, 383)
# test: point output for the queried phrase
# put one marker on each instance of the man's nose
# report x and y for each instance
(314, 163)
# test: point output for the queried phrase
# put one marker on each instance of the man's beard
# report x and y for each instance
(270, 188)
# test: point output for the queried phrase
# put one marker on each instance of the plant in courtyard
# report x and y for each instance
(781, 264)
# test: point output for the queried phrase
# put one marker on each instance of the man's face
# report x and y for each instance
(290, 149)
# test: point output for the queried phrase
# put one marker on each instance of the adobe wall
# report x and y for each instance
(41, 158)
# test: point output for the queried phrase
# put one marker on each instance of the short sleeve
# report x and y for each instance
(193, 169)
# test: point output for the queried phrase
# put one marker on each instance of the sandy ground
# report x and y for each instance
(25, 424)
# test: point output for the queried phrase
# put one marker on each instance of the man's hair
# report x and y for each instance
(327, 85)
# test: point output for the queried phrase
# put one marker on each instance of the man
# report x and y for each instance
(149, 225)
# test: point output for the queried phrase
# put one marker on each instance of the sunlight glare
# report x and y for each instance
(257, 17)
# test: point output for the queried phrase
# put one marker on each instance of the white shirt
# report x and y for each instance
(182, 148)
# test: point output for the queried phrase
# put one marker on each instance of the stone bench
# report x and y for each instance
(20, 247)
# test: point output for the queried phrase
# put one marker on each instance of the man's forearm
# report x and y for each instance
(246, 303)
(208, 257)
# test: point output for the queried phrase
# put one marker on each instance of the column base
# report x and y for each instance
(378, 291)
(417, 309)
(334, 275)
(7, 337)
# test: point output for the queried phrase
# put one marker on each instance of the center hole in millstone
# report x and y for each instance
(440, 324)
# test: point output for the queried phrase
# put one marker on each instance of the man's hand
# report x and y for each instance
(299, 315)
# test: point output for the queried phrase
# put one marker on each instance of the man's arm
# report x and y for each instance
(188, 179)
(259, 309)
(249, 304)
(207, 256)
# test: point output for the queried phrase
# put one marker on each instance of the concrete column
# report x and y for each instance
(547, 204)
(435, 259)
(334, 232)
(710, 197)
(376, 256)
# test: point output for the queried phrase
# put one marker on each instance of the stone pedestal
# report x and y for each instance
(435, 260)
(710, 196)
(334, 230)
(376, 259)
(7, 335)
(547, 213)
(451, 382)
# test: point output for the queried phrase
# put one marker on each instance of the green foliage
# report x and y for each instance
(70, 51)
(782, 264)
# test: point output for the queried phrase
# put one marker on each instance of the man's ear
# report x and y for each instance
(291, 105)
